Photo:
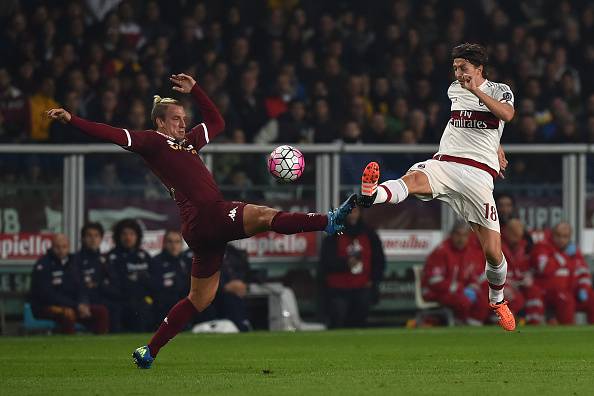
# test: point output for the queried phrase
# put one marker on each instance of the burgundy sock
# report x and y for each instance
(174, 322)
(293, 223)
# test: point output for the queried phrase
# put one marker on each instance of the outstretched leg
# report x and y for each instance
(202, 292)
(258, 219)
(390, 191)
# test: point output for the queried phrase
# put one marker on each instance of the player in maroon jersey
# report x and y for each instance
(208, 221)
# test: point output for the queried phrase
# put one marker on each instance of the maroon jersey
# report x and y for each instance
(177, 164)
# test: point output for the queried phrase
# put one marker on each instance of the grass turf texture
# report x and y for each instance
(552, 360)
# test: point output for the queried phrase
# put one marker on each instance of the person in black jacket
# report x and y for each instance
(98, 282)
(130, 265)
(56, 292)
(169, 275)
(229, 302)
(351, 268)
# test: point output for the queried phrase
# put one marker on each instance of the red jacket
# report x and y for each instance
(518, 260)
(582, 276)
(448, 270)
(553, 269)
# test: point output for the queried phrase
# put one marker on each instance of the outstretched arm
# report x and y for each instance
(213, 120)
(111, 134)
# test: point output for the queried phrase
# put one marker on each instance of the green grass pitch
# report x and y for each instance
(485, 361)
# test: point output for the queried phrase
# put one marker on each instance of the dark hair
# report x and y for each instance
(460, 225)
(171, 231)
(498, 196)
(118, 228)
(92, 226)
(473, 53)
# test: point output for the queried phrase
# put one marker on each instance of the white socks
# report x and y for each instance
(392, 191)
(496, 278)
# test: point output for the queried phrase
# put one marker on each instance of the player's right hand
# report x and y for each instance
(59, 114)
(182, 82)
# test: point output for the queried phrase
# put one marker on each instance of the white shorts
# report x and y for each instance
(468, 190)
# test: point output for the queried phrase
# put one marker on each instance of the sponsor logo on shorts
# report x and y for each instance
(233, 212)
(421, 166)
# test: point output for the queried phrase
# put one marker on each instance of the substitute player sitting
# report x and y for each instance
(208, 221)
(463, 170)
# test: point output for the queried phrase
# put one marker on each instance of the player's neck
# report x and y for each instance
(480, 80)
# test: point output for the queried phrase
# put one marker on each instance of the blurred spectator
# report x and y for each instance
(39, 103)
(553, 264)
(351, 268)
(98, 284)
(290, 127)
(351, 132)
(229, 302)
(13, 110)
(506, 207)
(451, 276)
(137, 117)
(131, 265)
(56, 292)
(520, 290)
(241, 186)
(325, 128)
(378, 131)
(169, 277)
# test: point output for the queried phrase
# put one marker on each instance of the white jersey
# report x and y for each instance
(474, 132)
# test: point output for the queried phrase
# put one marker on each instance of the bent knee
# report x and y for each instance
(493, 255)
(201, 300)
(417, 182)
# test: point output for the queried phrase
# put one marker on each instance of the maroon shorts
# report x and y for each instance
(217, 224)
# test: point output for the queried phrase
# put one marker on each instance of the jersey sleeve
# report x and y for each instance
(199, 136)
(504, 94)
(213, 122)
(136, 141)
(141, 142)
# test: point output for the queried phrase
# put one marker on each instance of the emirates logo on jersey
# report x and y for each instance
(474, 119)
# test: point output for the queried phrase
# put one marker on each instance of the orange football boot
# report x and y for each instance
(506, 317)
(369, 182)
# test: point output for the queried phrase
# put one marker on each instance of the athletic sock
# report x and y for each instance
(293, 223)
(392, 191)
(496, 278)
(175, 321)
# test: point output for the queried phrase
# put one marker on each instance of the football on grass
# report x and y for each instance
(286, 163)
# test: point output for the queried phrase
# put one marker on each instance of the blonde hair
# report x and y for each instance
(160, 107)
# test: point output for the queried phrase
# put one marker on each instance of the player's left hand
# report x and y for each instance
(468, 82)
(182, 82)
(84, 310)
(502, 161)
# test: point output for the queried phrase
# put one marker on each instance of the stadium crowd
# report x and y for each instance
(548, 279)
(295, 71)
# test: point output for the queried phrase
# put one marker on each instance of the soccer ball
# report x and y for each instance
(286, 163)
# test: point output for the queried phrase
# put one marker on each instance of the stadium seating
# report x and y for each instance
(34, 325)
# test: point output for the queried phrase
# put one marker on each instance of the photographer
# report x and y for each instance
(351, 268)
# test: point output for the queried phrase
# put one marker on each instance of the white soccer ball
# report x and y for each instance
(286, 163)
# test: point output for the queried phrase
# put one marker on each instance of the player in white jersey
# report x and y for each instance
(462, 172)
